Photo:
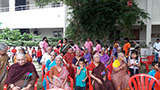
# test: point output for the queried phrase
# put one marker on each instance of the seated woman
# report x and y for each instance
(104, 58)
(87, 56)
(58, 75)
(76, 59)
(119, 75)
(51, 62)
(97, 72)
(28, 57)
(22, 75)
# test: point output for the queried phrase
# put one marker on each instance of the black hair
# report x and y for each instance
(23, 51)
(30, 46)
(33, 47)
(159, 64)
(72, 44)
(157, 40)
(133, 51)
(116, 40)
(14, 46)
(39, 47)
(154, 63)
(57, 46)
(66, 39)
(126, 39)
(44, 38)
(98, 41)
(61, 40)
(106, 46)
(82, 60)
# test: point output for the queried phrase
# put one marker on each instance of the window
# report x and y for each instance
(57, 33)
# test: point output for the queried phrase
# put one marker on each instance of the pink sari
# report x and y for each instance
(59, 77)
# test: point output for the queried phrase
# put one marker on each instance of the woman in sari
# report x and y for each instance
(21, 75)
(28, 57)
(68, 57)
(3, 64)
(76, 59)
(87, 56)
(104, 58)
(119, 75)
(97, 72)
(58, 75)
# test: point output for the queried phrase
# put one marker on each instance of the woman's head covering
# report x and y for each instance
(16, 71)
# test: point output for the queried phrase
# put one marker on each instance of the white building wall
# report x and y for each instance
(37, 18)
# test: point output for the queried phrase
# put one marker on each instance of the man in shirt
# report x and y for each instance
(44, 45)
(126, 47)
(46, 56)
(156, 47)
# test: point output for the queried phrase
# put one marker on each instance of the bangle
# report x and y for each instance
(12, 88)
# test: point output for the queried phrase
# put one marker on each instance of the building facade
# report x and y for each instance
(51, 20)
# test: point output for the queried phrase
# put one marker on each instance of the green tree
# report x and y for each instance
(100, 19)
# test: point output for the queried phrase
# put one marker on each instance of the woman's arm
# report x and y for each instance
(74, 66)
(116, 69)
(95, 78)
(64, 82)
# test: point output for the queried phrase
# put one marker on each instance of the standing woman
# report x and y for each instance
(104, 58)
(3, 64)
(98, 47)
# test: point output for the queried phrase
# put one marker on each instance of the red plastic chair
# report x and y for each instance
(148, 61)
(35, 85)
(42, 72)
(141, 82)
(47, 74)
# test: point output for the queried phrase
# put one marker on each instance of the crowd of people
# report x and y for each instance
(78, 62)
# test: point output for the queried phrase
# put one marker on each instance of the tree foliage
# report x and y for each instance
(100, 19)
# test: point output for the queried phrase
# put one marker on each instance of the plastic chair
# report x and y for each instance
(42, 72)
(141, 82)
(148, 61)
(47, 74)
(35, 85)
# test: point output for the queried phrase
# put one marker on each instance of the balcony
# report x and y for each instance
(31, 16)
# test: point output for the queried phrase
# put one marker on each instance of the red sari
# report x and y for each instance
(69, 57)
(96, 71)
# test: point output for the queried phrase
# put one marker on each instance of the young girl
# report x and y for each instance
(134, 63)
(81, 75)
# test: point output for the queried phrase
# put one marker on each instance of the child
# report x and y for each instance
(33, 53)
(39, 55)
(14, 50)
(106, 48)
(81, 75)
(157, 76)
(155, 65)
(134, 63)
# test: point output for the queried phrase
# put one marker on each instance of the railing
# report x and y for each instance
(30, 7)
(5, 9)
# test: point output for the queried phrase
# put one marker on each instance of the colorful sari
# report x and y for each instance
(87, 56)
(69, 57)
(3, 70)
(59, 77)
(120, 78)
(104, 59)
(96, 71)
